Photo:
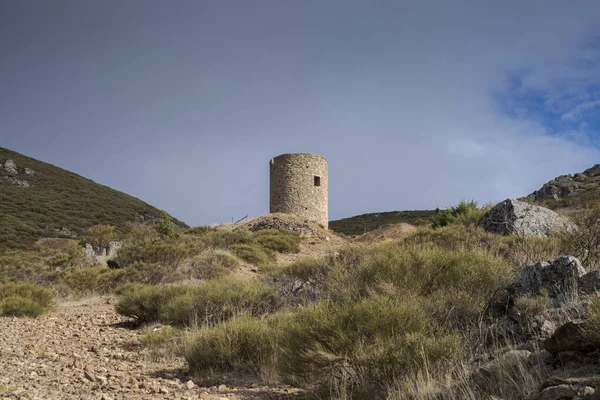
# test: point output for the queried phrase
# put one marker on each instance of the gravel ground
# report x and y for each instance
(83, 351)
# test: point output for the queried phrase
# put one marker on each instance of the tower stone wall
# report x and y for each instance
(299, 185)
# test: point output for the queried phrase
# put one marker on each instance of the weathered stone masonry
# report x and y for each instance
(299, 185)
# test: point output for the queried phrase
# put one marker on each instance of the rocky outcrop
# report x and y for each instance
(566, 185)
(10, 166)
(514, 216)
(15, 181)
(29, 172)
(561, 276)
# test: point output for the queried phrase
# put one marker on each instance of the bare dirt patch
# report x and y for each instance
(84, 350)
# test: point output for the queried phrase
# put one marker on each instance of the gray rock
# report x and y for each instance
(560, 277)
(10, 166)
(29, 172)
(593, 171)
(89, 250)
(590, 282)
(514, 216)
(113, 246)
(569, 337)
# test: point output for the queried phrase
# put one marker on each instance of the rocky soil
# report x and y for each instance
(86, 351)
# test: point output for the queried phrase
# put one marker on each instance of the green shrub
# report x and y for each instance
(89, 281)
(303, 280)
(100, 235)
(168, 252)
(212, 264)
(144, 303)
(24, 299)
(243, 343)
(223, 239)
(360, 348)
(153, 273)
(217, 301)
(165, 227)
(428, 272)
(21, 307)
(280, 240)
(24, 266)
(465, 213)
(252, 254)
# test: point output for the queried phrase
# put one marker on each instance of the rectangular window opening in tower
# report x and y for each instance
(317, 180)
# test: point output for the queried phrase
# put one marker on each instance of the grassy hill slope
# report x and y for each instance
(58, 203)
(360, 224)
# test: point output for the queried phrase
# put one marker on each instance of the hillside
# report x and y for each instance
(569, 191)
(38, 199)
(361, 224)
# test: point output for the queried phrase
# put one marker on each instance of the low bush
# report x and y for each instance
(153, 250)
(188, 305)
(24, 299)
(360, 349)
(428, 272)
(212, 264)
(303, 280)
(464, 213)
(218, 301)
(144, 303)
(89, 281)
(242, 344)
(280, 240)
(252, 254)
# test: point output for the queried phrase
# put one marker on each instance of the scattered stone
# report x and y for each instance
(514, 216)
(557, 393)
(11, 167)
(189, 385)
(277, 223)
(89, 375)
(29, 172)
(14, 181)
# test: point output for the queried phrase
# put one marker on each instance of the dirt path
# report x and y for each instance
(80, 352)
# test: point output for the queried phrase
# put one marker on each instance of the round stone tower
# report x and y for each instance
(299, 186)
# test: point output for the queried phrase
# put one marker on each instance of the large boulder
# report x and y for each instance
(514, 216)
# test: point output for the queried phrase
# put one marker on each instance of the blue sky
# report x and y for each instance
(416, 104)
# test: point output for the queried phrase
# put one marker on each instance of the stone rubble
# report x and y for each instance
(80, 352)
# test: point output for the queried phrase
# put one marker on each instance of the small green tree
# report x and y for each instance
(100, 235)
(164, 227)
(461, 212)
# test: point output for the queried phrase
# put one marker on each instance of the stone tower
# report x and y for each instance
(299, 186)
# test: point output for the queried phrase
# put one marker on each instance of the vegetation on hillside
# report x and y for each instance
(364, 223)
(373, 321)
(409, 318)
(59, 199)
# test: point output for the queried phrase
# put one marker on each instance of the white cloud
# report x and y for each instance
(576, 113)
